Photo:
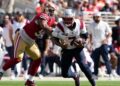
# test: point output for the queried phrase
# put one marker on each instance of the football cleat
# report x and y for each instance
(77, 81)
(29, 83)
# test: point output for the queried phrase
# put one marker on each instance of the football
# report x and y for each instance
(79, 42)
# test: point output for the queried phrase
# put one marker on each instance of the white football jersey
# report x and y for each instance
(68, 35)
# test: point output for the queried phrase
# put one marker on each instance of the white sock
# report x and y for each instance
(30, 77)
(26, 74)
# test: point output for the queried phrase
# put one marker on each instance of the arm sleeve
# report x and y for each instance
(57, 33)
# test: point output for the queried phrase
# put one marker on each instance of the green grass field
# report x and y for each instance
(59, 83)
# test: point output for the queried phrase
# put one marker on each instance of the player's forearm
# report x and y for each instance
(48, 29)
(57, 42)
(58, 35)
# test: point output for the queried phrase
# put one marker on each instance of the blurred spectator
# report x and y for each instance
(19, 21)
(8, 38)
(118, 5)
(2, 47)
(85, 5)
(1, 19)
(116, 30)
(117, 50)
(99, 33)
(107, 8)
(70, 3)
(100, 4)
(112, 56)
(18, 24)
(53, 56)
(77, 8)
(116, 41)
(61, 6)
(115, 10)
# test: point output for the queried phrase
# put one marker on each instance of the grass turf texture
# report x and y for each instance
(59, 83)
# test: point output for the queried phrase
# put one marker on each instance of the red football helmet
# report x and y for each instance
(42, 1)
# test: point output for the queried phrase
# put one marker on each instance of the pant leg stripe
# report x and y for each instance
(16, 45)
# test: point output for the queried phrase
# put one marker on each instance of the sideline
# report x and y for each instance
(58, 79)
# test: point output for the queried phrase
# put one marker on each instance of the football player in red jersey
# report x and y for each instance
(43, 40)
(24, 41)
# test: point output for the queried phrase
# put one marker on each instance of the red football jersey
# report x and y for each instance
(32, 28)
(51, 21)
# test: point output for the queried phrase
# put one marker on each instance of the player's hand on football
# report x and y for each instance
(63, 44)
(79, 42)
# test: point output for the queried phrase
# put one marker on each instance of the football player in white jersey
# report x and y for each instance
(71, 38)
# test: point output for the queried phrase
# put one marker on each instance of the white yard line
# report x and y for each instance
(58, 79)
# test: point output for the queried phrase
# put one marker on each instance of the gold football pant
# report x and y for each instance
(20, 46)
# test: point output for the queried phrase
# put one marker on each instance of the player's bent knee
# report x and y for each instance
(37, 57)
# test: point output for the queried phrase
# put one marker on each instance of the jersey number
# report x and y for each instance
(71, 40)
